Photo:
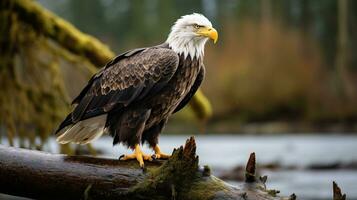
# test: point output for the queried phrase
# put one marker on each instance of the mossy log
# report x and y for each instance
(42, 175)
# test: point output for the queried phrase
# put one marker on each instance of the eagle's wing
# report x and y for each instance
(100, 72)
(193, 90)
(125, 79)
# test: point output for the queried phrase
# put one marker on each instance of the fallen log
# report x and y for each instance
(47, 176)
(42, 175)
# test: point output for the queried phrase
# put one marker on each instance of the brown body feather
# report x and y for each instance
(138, 91)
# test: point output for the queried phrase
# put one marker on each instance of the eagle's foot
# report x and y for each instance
(158, 154)
(138, 155)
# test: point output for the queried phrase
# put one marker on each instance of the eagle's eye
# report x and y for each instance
(196, 26)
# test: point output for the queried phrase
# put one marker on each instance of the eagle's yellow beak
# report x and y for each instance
(209, 32)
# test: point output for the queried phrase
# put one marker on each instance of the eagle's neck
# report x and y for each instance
(187, 45)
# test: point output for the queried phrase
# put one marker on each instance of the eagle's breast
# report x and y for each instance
(180, 84)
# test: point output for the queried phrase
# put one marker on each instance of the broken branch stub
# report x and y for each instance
(337, 193)
(171, 177)
(292, 196)
(250, 169)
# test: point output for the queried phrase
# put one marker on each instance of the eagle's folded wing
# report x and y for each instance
(127, 78)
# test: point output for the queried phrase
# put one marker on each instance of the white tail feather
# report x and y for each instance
(84, 131)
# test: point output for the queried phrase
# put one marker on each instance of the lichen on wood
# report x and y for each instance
(183, 162)
(32, 99)
(49, 25)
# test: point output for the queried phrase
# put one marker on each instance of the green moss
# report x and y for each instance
(172, 177)
(52, 26)
(206, 188)
(273, 192)
(32, 90)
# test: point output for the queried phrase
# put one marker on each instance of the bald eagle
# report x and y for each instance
(133, 95)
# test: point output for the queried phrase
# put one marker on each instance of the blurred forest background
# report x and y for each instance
(279, 65)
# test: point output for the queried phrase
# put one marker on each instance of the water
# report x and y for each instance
(223, 152)
(313, 184)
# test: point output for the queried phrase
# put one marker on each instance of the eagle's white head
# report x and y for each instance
(189, 35)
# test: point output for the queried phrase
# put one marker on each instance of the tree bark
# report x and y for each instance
(42, 175)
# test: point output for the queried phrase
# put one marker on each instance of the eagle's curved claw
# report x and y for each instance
(153, 157)
(122, 156)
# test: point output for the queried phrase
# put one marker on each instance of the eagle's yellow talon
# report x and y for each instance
(138, 155)
(158, 154)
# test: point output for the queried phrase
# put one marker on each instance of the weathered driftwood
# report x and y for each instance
(48, 176)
